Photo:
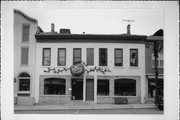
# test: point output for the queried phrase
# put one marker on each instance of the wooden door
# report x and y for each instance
(89, 89)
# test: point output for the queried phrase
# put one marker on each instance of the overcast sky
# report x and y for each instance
(99, 21)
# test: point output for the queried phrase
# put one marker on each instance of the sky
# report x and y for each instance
(99, 21)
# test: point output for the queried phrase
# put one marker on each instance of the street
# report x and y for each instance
(99, 111)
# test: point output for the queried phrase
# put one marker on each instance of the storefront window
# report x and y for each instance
(54, 86)
(24, 82)
(151, 88)
(103, 87)
(125, 87)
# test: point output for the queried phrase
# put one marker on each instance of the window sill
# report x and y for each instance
(125, 96)
(103, 96)
(24, 42)
(23, 92)
(24, 65)
(46, 66)
(118, 67)
(53, 95)
(157, 67)
(134, 67)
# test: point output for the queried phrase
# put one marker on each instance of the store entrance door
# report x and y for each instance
(77, 89)
(90, 89)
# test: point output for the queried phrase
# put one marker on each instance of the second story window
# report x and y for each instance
(90, 56)
(118, 57)
(61, 56)
(160, 61)
(24, 56)
(76, 56)
(25, 33)
(134, 57)
(102, 56)
(46, 60)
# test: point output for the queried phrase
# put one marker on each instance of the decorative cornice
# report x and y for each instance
(91, 38)
(30, 19)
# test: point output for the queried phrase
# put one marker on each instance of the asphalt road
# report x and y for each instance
(107, 111)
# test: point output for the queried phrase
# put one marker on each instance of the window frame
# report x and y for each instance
(137, 57)
(58, 57)
(25, 25)
(115, 57)
(46, 57)
(21, 78)
(52, 85)
(159, 59)
(117, 80)
(106, 56)
(77, 57)
(21, 62)
(87, 56)
(108, 87)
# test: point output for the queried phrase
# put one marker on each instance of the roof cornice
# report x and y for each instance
(110, 38)
(30, 19)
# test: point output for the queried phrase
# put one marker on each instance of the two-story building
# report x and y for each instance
(114, 66)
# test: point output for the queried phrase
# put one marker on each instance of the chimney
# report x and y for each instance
(65, 31)
(52, 27)
(128, 29)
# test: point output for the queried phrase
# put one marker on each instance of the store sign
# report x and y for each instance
(77, 70)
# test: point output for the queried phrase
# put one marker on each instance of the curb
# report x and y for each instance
(114, 107)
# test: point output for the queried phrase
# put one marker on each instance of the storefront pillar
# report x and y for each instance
(112, 87)
(84, 87)
(95, 89)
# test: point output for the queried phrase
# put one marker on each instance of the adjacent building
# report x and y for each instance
(150, 64)
(25, 28)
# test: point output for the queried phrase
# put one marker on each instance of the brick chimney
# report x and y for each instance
(129, 29)
(52, 27)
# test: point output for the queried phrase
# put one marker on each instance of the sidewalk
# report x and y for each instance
(83, 106)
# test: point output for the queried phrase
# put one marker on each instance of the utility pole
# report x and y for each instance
(128, 26)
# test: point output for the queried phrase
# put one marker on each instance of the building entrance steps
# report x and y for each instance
(83, 105)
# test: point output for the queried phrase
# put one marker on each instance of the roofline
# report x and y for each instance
(25, 16)
(91, 38)
(154, 38)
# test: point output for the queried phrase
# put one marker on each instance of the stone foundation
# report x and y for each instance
(29, 101)
(58, 99)
(110, 100)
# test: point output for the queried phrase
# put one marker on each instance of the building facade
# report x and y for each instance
(60, 67)
(150, 64)
(25, 28)
(115, 67)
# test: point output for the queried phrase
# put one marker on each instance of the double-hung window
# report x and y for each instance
(118, 57)
(76, 56)
(46, 60)
(102, 56)
(61, 56)
(90, 56)
(25, 33)
(24, 55)
(134, 57)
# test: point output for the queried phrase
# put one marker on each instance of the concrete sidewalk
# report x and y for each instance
(83, 106)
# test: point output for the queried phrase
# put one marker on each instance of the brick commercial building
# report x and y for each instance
(61, 67)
